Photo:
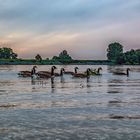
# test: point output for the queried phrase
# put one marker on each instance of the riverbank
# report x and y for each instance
(53, 62)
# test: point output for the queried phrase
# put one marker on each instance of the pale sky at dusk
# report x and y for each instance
(83, 27)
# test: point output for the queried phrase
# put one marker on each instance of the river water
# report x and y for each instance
(105, 107)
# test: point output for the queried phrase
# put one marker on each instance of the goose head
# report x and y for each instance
(34, 67)
(88, 71)
(99, 69)
(52, 70)
(62, 71)
(54, 67)
(127, 71)
(75, 69)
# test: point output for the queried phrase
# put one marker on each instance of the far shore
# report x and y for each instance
(54, 62)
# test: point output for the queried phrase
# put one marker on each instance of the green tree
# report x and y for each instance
(120, 59)
(38, 57)
(138, 55)
(132, 57)
(55, 58)
(114, 51)
(7, 53)
(62, 56)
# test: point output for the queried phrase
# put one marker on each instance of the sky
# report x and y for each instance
(84, 28)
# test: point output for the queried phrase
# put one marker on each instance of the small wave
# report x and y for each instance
(8, 106)
(118, 117)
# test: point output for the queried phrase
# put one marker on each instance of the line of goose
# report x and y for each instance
(49, 74)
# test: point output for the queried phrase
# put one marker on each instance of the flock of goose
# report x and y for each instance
(49, 74)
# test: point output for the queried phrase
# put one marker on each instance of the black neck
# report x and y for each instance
(98, 71)
(75, 70)
(52, 71)
(127, 72)
(88, 72)
(33, 71)
(61, 72)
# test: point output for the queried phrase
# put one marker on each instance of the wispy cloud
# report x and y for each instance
(80, 26)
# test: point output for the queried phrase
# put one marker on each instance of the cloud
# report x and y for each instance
(79, 26)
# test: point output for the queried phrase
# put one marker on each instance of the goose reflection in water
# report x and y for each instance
(38, 82)
(53, 85)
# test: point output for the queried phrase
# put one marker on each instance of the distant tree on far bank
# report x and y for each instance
(7, 53)
(114, 51)
(63, 56)
(38, 57)
(132, 57)
(116, 55)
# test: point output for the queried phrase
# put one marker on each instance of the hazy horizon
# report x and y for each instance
(83, 28)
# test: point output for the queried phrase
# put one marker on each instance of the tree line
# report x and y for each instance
(7, 53)
(115, 55)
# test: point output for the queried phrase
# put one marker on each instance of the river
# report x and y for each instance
(105, 107)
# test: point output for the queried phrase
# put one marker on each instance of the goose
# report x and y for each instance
(83, 75)
(47, 75)
(122, 73)
(70, 72)
(96, 72)
(28, 73)
(62, 70)
(44, 72)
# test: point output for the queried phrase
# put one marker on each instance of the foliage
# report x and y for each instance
(63, 56)
(132, 57)
(116, 55)
(114, 50)
(7, 53)
(38, 57)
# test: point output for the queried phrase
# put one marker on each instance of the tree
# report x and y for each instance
(47, 59)
(38, 57)
(55, 58)
(138, 55)
(62, 56)
(7, 53)
(114, 50)
(132, 57)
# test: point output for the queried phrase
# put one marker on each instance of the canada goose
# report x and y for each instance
(96, 72)
(70, 72)
(28, 73)
(122, 73)
(44, 72)
(24, 73)
(62, 70)
(83, 75)
(47, 75)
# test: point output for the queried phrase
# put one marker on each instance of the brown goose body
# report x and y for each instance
(28, 73)
(96, 72)
(25, 73)
(82, 75)
(62, 70)
(122, 73)
(46, 74)
(71, 72)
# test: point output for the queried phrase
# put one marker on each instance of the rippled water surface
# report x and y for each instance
(103, 107)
